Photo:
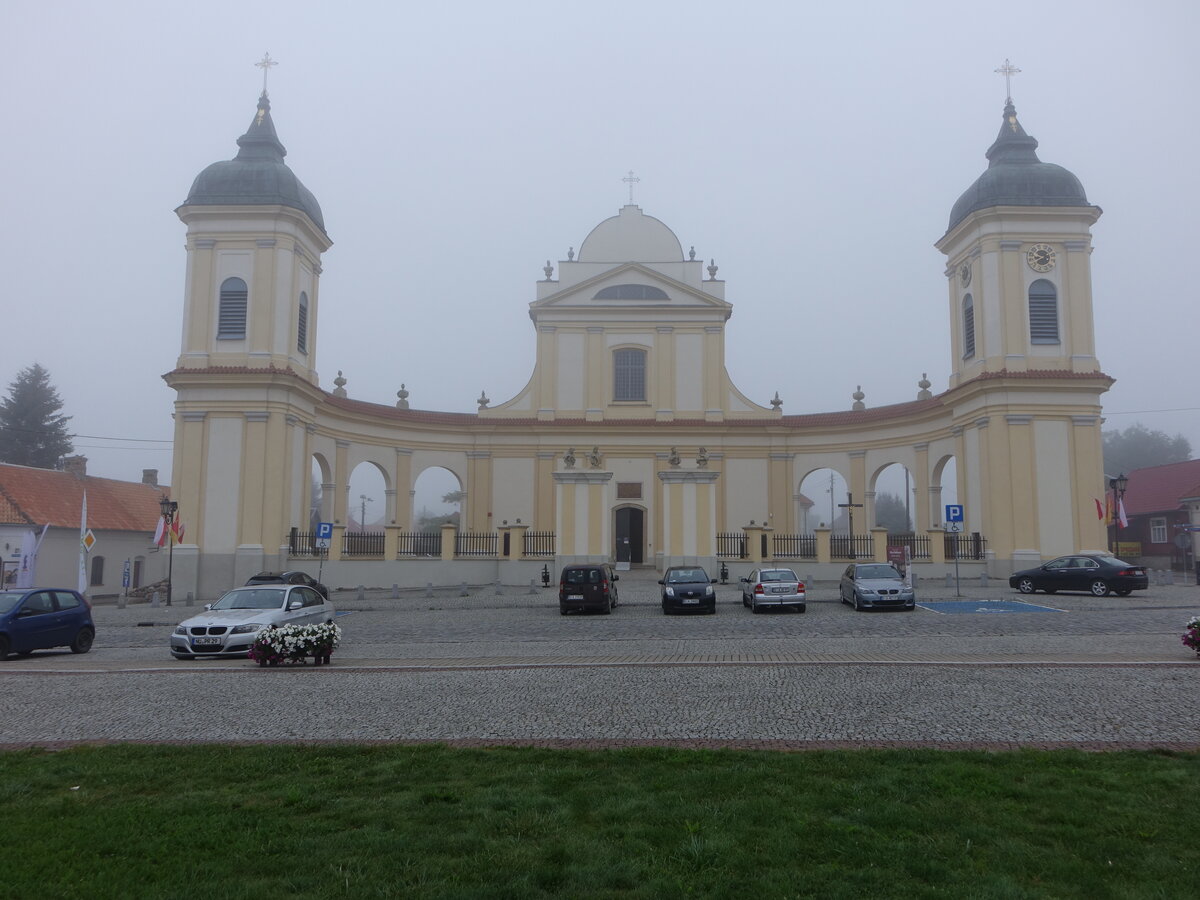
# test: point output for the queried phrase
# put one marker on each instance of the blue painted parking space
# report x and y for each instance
(984, 606)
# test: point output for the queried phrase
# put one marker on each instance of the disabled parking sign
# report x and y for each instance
(324, 535)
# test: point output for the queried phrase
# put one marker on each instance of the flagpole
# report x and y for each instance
(83, 579)
(169, 507)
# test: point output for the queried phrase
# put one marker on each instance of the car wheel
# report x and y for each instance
(745, 601)
(1124, 593)
(5, 646)
(1100, 588)
(562, 611)
(83, 641)
(857, 603)
(1026, 586)
(608, 607)
(754, 607)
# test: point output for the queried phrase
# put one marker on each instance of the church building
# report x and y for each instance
(630, 443)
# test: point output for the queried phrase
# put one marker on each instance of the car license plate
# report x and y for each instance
(691, 599)
(574, 596)
(206, 640)
(782, 590)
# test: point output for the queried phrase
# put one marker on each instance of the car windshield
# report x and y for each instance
(264, 598)
(686, 576)
(877, 572)
(778, 575)
(9, 599)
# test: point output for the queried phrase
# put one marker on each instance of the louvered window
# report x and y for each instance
(968, 320)
(629, 375)
(231, 319)
(302, 326)
(1043, 313)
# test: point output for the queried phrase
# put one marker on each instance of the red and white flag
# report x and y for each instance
(177, 530)
(160, 533)
(1121, 517)
(1099, 511)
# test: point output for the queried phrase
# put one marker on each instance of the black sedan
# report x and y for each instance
(1097, 573)
(688, 589)
(293, 577)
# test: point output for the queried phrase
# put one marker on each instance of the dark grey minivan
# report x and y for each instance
(587, 586)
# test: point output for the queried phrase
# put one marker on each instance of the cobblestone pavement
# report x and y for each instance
(504, 666)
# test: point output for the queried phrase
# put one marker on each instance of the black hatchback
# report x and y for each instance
(1096, 573)
(688, 589)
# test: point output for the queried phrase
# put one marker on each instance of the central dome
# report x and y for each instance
(631, 236)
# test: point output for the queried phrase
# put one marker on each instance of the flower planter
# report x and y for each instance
(1191, 637)
(295, 644)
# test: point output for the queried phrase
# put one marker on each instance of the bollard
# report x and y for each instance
(532, 586)
(462, 590)
(1170, 573)
(913, 577)
(189, 599)
(362, 593)
(983, 579)
(949, 580)
(499, 588)
(395, 592)
(154, 599)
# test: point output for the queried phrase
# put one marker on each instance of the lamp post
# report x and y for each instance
(169, 508)
(1118, 486)
(362, 516)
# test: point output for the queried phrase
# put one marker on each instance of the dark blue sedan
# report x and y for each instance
(39, 618)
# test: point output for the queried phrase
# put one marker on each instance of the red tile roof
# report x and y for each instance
(1160, 488)
(46, 497)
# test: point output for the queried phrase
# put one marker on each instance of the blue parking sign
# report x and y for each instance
(324, 530)
(954, 512)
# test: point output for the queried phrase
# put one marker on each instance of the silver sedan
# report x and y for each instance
(875, 586)
(228, 627)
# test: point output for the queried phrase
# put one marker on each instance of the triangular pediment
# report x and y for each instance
(615, 288)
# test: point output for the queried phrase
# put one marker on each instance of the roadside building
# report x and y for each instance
(1162, 503)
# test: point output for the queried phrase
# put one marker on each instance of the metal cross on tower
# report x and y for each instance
(1008, 70)
(265, 64)
(631, 180)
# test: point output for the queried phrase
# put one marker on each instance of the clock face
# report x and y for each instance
(964, 274)
(1040, 257)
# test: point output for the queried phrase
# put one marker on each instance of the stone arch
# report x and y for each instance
(429, 484)
(319, 490)
(943, 486)
(897, 479)
(369, 497)
(815, 485)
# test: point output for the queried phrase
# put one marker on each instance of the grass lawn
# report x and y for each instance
(433, 821)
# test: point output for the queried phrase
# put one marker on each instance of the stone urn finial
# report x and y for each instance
(570, 254)
(776, 403)
(483, 400)
(339, 389)
(402, 403)
(712, 270)
(858, 396)
(923, 384)
(549, 270)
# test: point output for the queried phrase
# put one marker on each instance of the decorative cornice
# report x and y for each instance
(689, 476)
(1010, 245)
(192, 416)
(1019, 420)
(1086, 421)
(265, 242)
(584, 477)
(257, 416)
(982, 422)
(204, 243)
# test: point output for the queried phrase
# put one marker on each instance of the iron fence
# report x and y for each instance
(966, 546)
(851, 546)
(795, 546)
(470, 543)
(362, 543)
(304, 543)
(538, 543)
(420, 543)
(917, 544)
(732, 545)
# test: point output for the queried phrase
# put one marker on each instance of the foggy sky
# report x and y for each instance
(814, 153)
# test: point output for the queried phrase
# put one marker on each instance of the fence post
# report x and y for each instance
(391, 541)
(824, 551)
(879, 544)
(449, 531)
(937, 546)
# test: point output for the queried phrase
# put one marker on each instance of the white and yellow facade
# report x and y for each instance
(629, 437)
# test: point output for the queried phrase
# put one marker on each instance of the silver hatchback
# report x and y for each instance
(228, 627)
(773, 588)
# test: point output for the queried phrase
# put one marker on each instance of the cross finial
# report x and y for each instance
(1008, 70)
(631, 180)
(265, 64)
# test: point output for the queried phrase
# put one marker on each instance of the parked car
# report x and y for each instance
(228, 627)
(875, 586)
(294, 577)
(778, 588)
(41, 618)
(587, 586)
(688, 589)
(1098, 573)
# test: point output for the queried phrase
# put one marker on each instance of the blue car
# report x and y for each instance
(38, 618)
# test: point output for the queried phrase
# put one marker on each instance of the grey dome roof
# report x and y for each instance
(257, 175)
(1016, 177)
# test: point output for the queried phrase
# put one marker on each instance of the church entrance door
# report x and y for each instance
(629, 531)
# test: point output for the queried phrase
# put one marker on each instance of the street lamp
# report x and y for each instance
(362, 516)
(1118, 486)
(169, 508)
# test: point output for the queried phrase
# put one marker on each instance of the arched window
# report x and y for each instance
(302, 326)
(1043, 313)
(97, 571)
(231, 318)
(968, 324)
(629, 374)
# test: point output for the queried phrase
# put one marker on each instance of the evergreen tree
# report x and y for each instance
(1137, 447)
(32, 430)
